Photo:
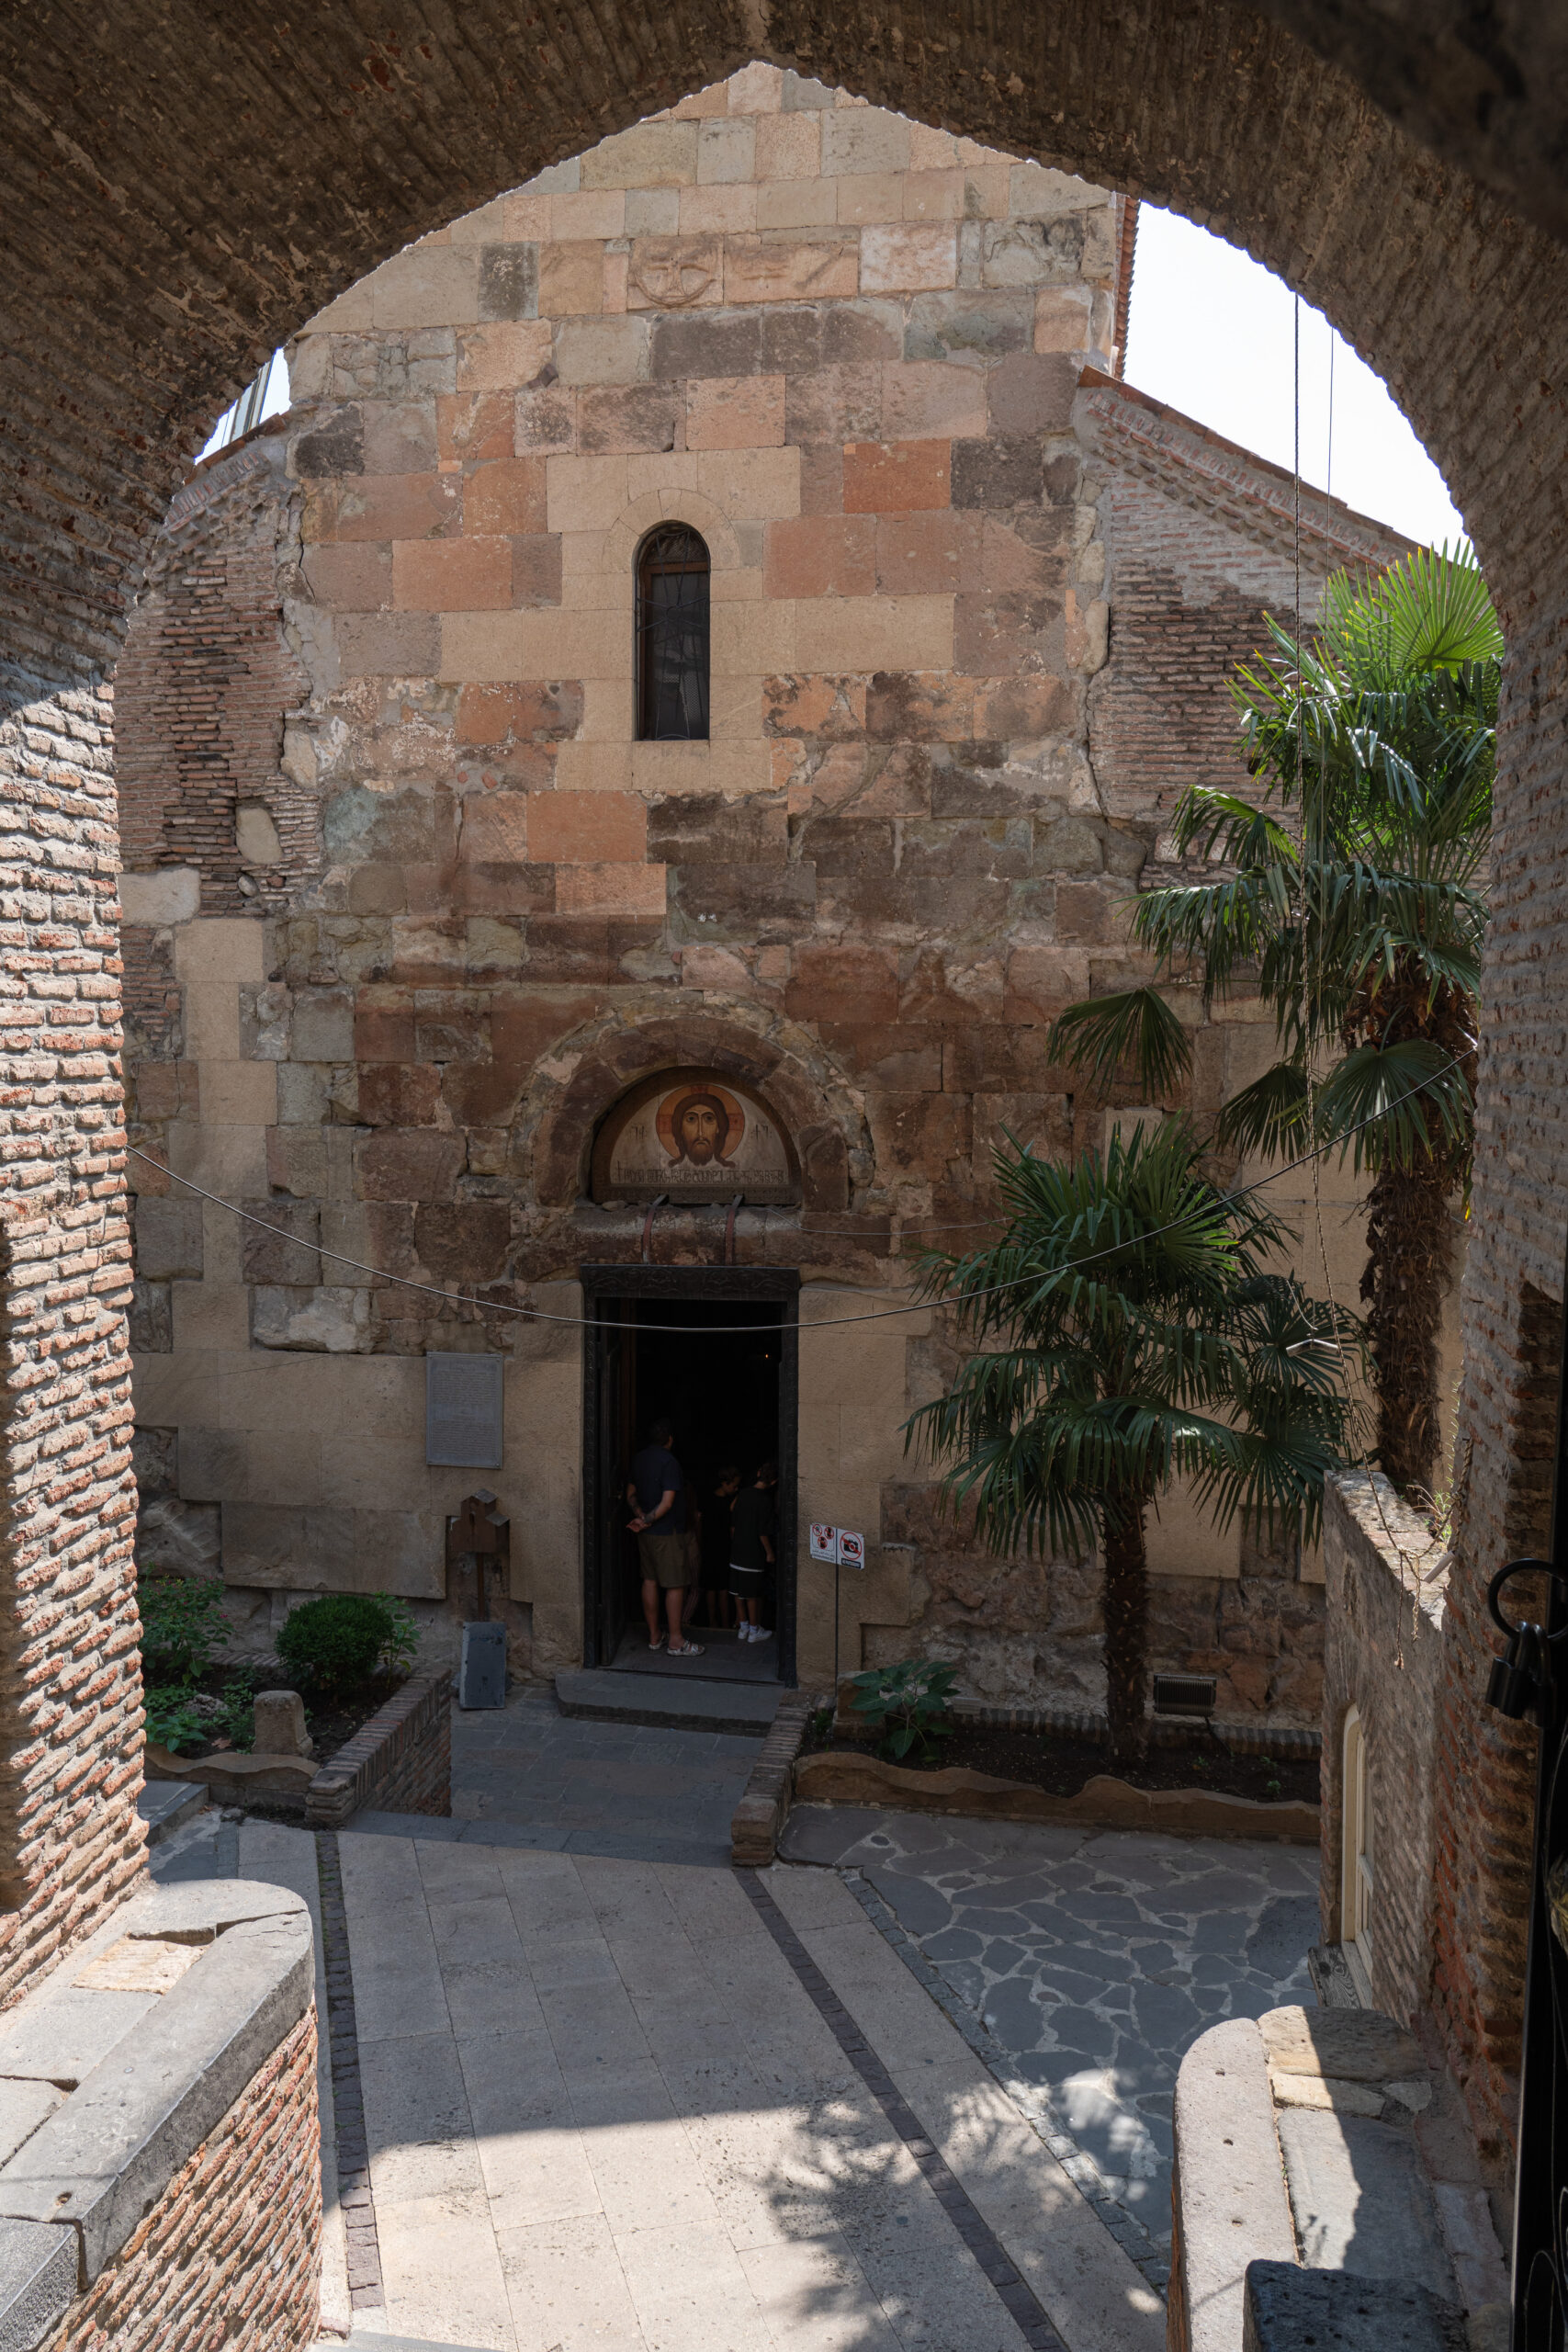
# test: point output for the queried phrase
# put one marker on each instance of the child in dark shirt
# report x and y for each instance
(721, 1609)
(752, 1548)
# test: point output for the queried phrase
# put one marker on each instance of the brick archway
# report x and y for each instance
(186, 185)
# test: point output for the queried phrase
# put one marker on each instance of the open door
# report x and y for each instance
(716, 1350)
(610, 1369)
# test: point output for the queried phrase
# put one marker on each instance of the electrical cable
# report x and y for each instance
(709, 1331)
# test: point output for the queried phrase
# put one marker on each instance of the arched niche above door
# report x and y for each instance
(694, 1135)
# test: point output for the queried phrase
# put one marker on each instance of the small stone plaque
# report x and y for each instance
(463, 1411)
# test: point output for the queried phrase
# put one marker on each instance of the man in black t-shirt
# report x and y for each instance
(752, 1548)
(657, 1493)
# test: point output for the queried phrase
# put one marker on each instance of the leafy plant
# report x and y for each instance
(182, 1626)
(907, 1704)
(344, 1638)
(1354, 902)
(171, 1721)
(1138, 1339)
(237, 1719)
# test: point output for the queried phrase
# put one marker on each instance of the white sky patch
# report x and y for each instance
(1210, 332)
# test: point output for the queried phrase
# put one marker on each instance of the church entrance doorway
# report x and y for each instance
(712, 1350)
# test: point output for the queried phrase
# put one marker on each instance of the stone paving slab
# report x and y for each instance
(1091, 1959)
(532, 1777)
(604, 2112)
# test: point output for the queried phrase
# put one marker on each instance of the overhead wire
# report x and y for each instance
(832, 1323)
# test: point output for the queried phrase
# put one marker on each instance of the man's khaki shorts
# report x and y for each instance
(663, 1552)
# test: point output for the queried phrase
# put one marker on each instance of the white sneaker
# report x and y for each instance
(760, 1634)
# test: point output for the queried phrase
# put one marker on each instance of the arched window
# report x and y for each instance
(672, 637)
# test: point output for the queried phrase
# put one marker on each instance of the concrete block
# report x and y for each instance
(104, 2159)
(1360, 2201)
(1288, 2307)
(38, 2280)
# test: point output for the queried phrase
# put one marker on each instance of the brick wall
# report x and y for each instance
(401, 1761)
(232, 2252)
(204, 682)
(70, 1694)
(1385, 1583)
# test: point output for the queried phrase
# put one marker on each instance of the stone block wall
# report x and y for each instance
(401, 1761)
(869, 363)
(1386, 1579)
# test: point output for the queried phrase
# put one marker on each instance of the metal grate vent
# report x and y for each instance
(1185, 1694)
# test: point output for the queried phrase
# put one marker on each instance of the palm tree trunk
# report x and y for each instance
(1126, 1625)
(1410, 1237)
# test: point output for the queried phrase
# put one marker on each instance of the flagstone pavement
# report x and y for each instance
(607, 2111)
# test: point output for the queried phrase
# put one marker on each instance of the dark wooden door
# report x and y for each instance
(611, 1418)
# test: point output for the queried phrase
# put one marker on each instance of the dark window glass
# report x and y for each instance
(673, 636)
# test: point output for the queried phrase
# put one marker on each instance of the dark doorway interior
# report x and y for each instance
(730, 1395)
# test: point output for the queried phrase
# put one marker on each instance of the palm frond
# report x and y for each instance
(1398, 1104)
(1133, 1029)
(1429, 612)
(1269, 1119)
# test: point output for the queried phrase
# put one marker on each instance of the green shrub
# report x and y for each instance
(182, 1626)
(172, 1722)
(344, 1638)
(907, 1704)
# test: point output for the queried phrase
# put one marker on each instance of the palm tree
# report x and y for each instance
(1136, 1338)
(1354, 904)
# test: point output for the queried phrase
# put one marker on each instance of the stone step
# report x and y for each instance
(688, 1704)
(163, 1804)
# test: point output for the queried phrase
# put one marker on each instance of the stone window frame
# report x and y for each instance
(657, 555)
(736, 755)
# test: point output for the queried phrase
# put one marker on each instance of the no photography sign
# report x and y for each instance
(840, 1546)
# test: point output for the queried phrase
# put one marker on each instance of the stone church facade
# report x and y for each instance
(420, 921)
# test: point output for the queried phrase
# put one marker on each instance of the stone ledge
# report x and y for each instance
(1366, 1512)
(377, 1755)
(1228, 2188)
(756, 1822)
(1103, 1803)
(188, 1992)
(230, 1776)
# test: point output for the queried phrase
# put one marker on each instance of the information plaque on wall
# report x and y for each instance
(462, 1411)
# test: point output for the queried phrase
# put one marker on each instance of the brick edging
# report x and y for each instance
(387, 1758)
(758, 1820)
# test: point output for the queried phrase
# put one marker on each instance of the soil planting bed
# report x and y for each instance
(1198, 1789)
(330, 1721)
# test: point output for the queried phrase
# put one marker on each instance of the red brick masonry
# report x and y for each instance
(401, 1762)
(230, 2252)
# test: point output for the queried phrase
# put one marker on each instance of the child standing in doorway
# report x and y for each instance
(752, 1528)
